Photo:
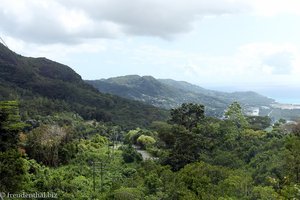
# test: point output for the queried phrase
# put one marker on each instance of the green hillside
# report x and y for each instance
(168, 93)
(44, 86)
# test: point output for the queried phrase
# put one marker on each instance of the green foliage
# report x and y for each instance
(211, 182)
(188, 115)
(44, 143)
(153, 183)
(141, 137)
(12, 171)
(165, 135)
(130, 155)
(269, 168)
(264, 193)
(290, 191)
(259, 122)
(10, 125)
(127, 194)
(145, 141)
(185, 150)
(202, 179)
(296, 130)
(12, 165)
(234, 113)
(214, 160)
(293, 158)
(132, 136)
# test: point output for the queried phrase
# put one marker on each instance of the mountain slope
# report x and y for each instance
(247, 98)
(168, 93)
(40, 83)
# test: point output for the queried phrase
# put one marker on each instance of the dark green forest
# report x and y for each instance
(60, 135)
(192, 157)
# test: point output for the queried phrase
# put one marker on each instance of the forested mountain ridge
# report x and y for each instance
(168, 93)
(191, 156)
(44, 86)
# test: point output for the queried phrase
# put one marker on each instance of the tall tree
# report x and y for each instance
(234, 113)
(188, 115)
(44, 142)
(10, 125)
(12, 165)
(293, 158)
(186, 148)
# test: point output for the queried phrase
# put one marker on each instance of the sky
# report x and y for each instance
(227, 45)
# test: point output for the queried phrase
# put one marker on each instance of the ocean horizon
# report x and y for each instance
(287, 100)
(281, 94)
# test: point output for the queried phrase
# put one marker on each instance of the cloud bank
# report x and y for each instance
(73, 21)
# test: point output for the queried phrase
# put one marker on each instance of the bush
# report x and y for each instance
(145, 141)
(130, 155)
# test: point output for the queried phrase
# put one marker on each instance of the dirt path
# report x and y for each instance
(144, 153)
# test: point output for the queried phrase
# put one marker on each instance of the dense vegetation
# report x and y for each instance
(194, 157)
(167, 93)
(45, 87)
(59, 135)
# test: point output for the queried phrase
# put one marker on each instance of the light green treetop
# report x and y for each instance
(234, 113)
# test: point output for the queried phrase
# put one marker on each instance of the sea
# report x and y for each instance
(281, 94)
(287, 100)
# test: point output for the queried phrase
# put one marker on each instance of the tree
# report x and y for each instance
(145, 141)
(238, 184)
(12, 171)
(290, 192)
(234, 113)
(203, 179)
(185, 150)
(10, 125)
(127, 194)
(259, 122)
(296, 129)
(165, 134)
(12, 166)
(293, 158)
(130, 155)
(44, 143)
(188, 115)
(132, 135)
(264, 193)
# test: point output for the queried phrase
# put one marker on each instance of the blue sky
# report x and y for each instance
(220, 44)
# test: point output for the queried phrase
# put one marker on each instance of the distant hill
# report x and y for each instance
(168, 93)
(43, 87)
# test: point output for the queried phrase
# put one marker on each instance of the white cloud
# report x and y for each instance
(55, 51)
(270, 58)
(60, 28)
(252, 63)
(74, 21)
(275, 7)
(49, 22)
(70, 21)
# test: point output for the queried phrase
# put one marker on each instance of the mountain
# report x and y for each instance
(44, 87)
(168, 93)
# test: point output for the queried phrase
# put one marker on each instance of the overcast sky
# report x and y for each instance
(238, 44)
